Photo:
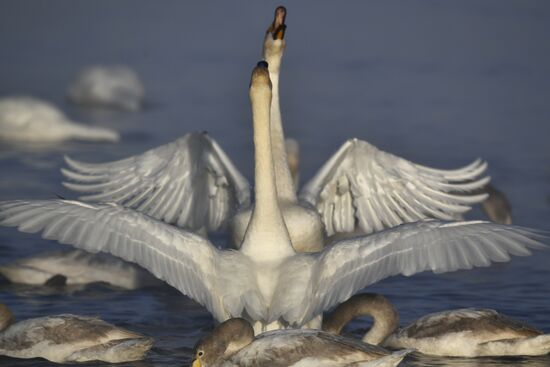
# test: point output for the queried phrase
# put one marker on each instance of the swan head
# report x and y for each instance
(227, 338)
(274, 42)
(6, 317)
(260, 82)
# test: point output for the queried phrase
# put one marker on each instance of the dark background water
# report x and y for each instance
(439, 83)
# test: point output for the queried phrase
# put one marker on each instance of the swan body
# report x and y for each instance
(470, 333)
(266, 280)
(467, 332)
(69, 338)
(108, 86)
(32, 120)
(360, 189)
(232, 343)
(77, 267)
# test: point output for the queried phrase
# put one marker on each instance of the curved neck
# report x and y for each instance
(6, 317)
(384, 315)
(285, 184)
(266, 225)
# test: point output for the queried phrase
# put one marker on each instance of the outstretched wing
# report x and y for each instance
(340, 270)
(184, 260)
(362, 186)
(190, 183)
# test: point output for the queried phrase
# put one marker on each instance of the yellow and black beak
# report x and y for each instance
(196, 363)
(278, 27)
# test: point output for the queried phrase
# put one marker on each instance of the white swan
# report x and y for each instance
(77, 267)
(266, 281)
(360, 187)
(467, 332)
(29, 119)
(232, 343)
(69, 338)
(107, 86)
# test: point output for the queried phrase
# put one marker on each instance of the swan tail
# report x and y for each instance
(93, 133)
(534, 346)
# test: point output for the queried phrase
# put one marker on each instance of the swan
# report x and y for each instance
(115, 86)
(232, 343)
(69, 338)
(360, 187)
(32, 120)
(77, 267)
(266, 281)
(467, 332)
(497, 207)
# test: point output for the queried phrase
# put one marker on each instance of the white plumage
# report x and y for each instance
(360, 189)
(266, 280)
(32, 120)
(107, 86)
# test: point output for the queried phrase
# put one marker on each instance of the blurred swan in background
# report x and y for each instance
(69, 338)
(193, 184)
(266, 281)
(77, 267)
(32, 120)
(107, 86)
(467, 332)
(232, 343)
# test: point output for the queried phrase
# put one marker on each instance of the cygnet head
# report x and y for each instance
(227, 338)
(6, 317)
(274, 42)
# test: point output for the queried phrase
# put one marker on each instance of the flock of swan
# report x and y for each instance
(365, 216)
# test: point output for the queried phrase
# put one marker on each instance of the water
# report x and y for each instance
(440, 83)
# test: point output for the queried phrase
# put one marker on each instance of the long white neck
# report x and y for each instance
(273, 53)
(266, 235)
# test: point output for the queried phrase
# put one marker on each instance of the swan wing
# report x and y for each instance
(340, 270)
(362, 187)
(219, 280)
(190, 183)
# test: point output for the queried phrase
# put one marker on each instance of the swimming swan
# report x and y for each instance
(107, 86)
(466, 332)
(77, 267)
(69, 338)
(359, 187)
(232, 343)
(32, 120)
(266, 281)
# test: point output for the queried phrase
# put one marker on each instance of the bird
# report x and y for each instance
(27, 119)
(232, 343)
(267, 281)
(77, 267)
(359, 188)
(109, 86)
(69, 338)
(466, 332)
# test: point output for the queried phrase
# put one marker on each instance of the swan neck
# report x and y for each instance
(285, 184)
(266, 223)
(385, 317)
(6, 317)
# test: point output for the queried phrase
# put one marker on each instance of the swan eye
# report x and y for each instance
(200, 353)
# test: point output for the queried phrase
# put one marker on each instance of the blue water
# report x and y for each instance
(439, 83)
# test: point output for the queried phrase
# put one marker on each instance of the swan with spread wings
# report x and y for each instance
(266, 281)
(193, 184)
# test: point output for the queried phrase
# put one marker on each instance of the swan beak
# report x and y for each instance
(278, 27)
(196, 363)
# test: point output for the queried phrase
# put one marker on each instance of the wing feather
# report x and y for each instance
(190, 183)
(184, 260)
(340, 270)
(387, 190)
